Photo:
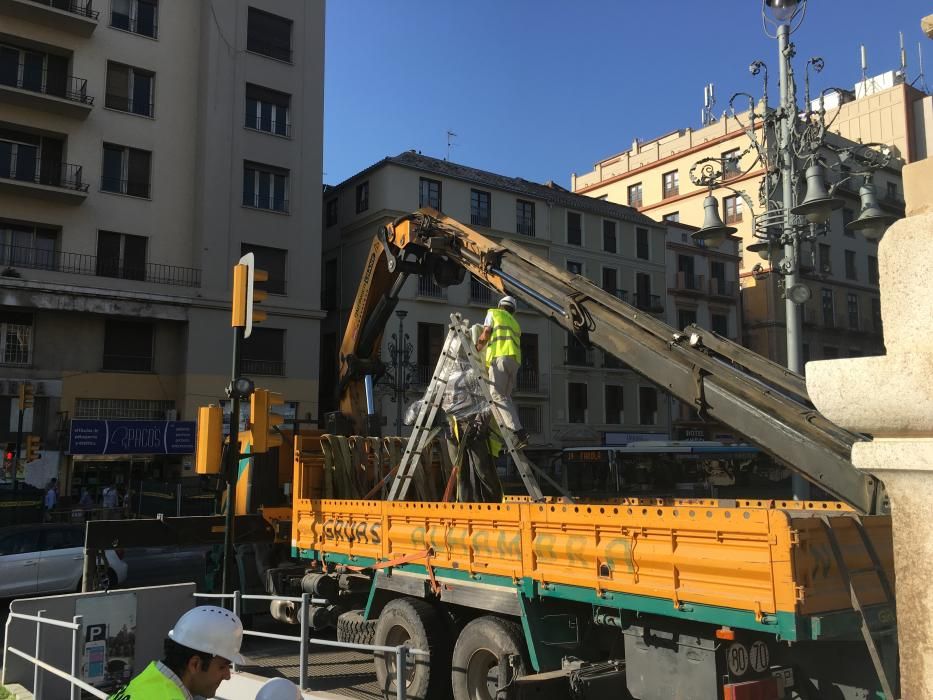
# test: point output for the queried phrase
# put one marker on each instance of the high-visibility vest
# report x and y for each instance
(506, 338)
(151, 684)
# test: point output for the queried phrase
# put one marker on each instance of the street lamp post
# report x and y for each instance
(401, 372)
(790, 142)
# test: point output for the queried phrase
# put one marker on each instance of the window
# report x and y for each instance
(269, 35)
(273, 261)
(642, 247)
(39, 72)
(525, 217)
(480, 211)
(128, 346)
(730, 164)
(265, 187)
(824, 259)
(114, 409)
(121, 255)
(126, 170)
(609, 237)
(430, 343)
(130, 89)
(670, 184)
(720, 324)
(851, 272)
(733, 209)
(610, 280)
(574, 228)
(829, 311)
(643, 294)
(429, 193)
(686, 317)
(872, 269)
(848, 216)
(26, 245)
(330, 212)
(268, 110)
(876, 314)
(362, 197)
(673, 217)
(137, 16)
(329, 284)
(635, 195)
(574, 267)
(264, 352)
(15, 338)
(852, 308)
(830, 353)
(576, 402)
(614, 405)
(647, 406)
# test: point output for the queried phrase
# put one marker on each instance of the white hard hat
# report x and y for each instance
(507, 301)
(212, 630)
(279, 689)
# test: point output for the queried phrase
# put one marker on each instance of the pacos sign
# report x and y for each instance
(123, 437)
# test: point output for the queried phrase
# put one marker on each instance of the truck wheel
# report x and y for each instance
(483, 646)
(353, 627)
(414, 623)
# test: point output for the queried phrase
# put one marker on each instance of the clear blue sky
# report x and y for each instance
(541, 88)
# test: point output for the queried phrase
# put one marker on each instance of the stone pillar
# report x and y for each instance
(891, 398)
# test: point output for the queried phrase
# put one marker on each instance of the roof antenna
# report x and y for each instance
(709, 100)
(450, 135)
(864, 62)
(903, 58)
(921, 81)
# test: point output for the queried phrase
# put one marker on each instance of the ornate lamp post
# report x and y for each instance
(787, 142)
(400, 374)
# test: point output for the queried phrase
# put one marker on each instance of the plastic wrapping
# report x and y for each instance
(463, 396)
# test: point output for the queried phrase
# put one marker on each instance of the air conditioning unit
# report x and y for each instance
(171, 414)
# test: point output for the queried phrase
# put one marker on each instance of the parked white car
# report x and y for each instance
(48, 558)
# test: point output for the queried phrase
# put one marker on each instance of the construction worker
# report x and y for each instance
(279, 689)
(502, 339)
(199, 652)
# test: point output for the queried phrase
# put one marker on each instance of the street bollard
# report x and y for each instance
(36, 674)
(401, 677)
(75, 651)
(303, 644)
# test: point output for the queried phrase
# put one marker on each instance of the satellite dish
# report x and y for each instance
(799, 293)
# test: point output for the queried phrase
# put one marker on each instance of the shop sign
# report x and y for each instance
(123, 437)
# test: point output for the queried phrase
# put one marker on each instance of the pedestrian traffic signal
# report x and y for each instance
(9, 454)
(32, 448)
(210, 440)
(27, 396)
(264, 432)
(245, 294)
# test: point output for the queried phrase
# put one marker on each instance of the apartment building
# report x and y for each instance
(145, 145)
(567, 394)
(842, 317)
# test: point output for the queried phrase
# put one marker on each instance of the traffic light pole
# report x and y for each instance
(19, 444)
(233, 462)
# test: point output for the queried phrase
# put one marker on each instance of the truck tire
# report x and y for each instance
(483, 645)
(353, 627)
(414, 623)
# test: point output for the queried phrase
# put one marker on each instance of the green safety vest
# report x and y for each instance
(151, 684)
(506, 338)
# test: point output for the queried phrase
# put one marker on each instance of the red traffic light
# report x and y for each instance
(8, 455)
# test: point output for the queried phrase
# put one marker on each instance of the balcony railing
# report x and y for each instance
(579, 356)
(530, 417)
(67, 86)
(613, 362)
(275, 368)
(480, 293)
(123, 103)
(41, 172)
(127, 363)
(525, 229)
(477, 219)
(272, 49)
(427, 287)
(530, 380)
(422, 375)
(280, 127)
(686, 282)
(76, 7)
(649, 302)
(618, 294)
(723, 288)
(146, 25)
(81, 264)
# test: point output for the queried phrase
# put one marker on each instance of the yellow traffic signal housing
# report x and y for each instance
(32, 448)
(263, 422)
(27, 396)
(246, 296)
(210, 440)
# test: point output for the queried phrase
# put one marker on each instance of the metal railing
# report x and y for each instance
(529, 380)
(280, 127)
(268, 202)
(148, 27)
(427, 287)
(128, 104)
(76, 7)
(75, 683)
(42, 172)
(723, 288)
(119, 185)
(480, 293)
(688, 282)
(578, 355)
(479, 220)
(402, 651)
(613, 362)
(649, 302)
(66, 86)
(272, 49)
(274, 368)
(525, 229)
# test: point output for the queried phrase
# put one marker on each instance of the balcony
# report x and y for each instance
(525, 228)
(531, 381)
(723, 288)
(50, 92)
(480, 294)
(613, 362)
(620, 294)
(429, 289)
(422, 375)
(530, 417)
(75, 16)
(649, 302)
(689, 284)
(272, 368)
(81, 264)
(578, 355)
(61, 181)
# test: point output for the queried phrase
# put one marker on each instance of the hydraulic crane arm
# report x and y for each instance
(723, 381)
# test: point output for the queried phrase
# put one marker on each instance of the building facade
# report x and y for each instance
(567, 394)
(842, 317)
(146, 145)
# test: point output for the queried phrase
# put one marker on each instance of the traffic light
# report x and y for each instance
(32, 448)
(263, 422)
(245, 294)
(210, 440)
(27, 396)
(9, 454)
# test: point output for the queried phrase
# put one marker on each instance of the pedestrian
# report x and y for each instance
(86, 501)
(199, 652)
(279, 689)
(502, 340)
(51, 498)
(109, 502)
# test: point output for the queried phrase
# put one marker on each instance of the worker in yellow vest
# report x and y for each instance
(199, 652)
(502, 340)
